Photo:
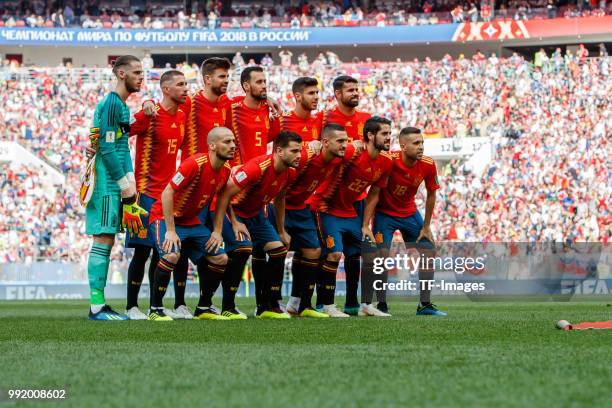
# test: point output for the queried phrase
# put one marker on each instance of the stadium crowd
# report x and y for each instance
(549, 122)
(280, 14)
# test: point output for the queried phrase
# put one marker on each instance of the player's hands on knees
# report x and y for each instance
(148, 107)
(240, 231)
(285, 238)
(172, 242)
(214, 242)
(315, 146)
(367, 235)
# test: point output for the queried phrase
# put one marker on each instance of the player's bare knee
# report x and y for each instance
(334, 256)
(105, 239)
(172, 257)
(311, 253)
(220, 259)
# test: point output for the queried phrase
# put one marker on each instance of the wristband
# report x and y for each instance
(124, 183)
(130, 176)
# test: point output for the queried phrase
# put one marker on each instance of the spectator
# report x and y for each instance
(285, 57)
(212, 20)
(295, 22)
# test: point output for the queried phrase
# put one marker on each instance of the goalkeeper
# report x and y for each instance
(113, 202)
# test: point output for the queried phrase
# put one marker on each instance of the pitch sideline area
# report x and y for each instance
(507, 354)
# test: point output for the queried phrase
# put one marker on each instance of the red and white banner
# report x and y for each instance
(515, 30)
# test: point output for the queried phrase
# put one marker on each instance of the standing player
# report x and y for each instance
(157, 142)
(251, 123)
(346, 91)
(302, 121)
(175, 222)
(250, 118)
(113, 203)
(339, 224)
(204, 111)
(396, 210)
(255, 184)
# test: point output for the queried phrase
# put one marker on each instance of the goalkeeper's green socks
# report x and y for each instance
(97, 270)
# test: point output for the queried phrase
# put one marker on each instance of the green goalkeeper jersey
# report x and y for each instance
(113, 161)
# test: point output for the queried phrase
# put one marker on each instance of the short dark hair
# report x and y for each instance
(122, 61)
(331, 128)
(169, 76)
(285, 137)
(373, 125)
(343, 79)
(303, 82)
(209, 65)
(245, 76)
(409, 131)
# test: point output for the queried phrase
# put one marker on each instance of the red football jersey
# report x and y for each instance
(158, 139)
(336, 195)
(309, 129)
(202, 116)
(195, 184)
(260, 183)
(310, 173)
(397, 199)
(353, 124)
(253, 130)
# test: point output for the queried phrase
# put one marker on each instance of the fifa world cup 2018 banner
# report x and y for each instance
(481, 31)
(230, 37)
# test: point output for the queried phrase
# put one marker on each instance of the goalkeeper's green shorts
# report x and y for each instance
(103, 215)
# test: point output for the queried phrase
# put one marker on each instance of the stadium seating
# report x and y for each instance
(529, 191)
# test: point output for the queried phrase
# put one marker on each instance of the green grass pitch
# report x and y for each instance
(482, 354)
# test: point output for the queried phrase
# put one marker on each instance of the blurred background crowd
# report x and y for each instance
(549, 121)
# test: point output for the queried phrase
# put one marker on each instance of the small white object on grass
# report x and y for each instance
(563, 325)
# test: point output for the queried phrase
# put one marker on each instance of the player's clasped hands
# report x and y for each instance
(367, 235)
(214, 242)
(172, 242)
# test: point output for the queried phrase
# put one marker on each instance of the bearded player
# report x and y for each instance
(346, 92)
(395, 210)
(113, 203)
(158, 139)
(255, 184)
(175, 222)
(299, 221)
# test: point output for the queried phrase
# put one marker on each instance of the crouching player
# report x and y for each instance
(255, 184)
(175, 223)
(395, 209)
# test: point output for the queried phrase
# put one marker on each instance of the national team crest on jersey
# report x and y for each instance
(379, 237)
(329, 241)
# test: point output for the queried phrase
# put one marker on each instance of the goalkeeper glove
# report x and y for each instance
(132, 216)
